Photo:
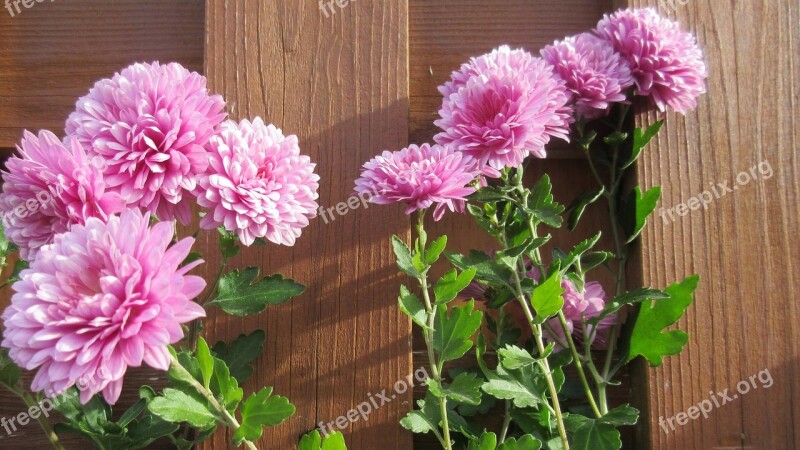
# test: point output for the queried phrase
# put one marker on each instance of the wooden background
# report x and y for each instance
(365, 80)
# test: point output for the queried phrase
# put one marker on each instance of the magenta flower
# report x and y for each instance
(666, 63)
(49, 187)
(419, 176)
(258, 184)
(593, 72)
(102, 297)
(580, 306)
(502, 106)
(150, 123)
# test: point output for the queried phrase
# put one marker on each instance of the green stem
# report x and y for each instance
(229, 419)
(42, 420)
(578, 365)
(436, 368)
(506, 423)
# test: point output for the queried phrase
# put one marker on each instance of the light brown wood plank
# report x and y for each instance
(341, 85)
(744, 319)
(52, 53)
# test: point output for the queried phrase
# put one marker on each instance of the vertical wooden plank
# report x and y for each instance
(339, 80)
(744, 319)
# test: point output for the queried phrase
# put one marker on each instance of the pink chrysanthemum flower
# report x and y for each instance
(593, 72)
(49, 187)
(258, 184)
(502, 106)
(420, 176)
(579, 306)
(102, 297)
(667, 64)
(150, 123)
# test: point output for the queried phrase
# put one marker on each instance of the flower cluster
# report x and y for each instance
(105, 289)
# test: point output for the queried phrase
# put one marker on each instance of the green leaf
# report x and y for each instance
(403, 255)
(452, 336)
(542, 206)
(310, 441)
(465, 388)
(313, 441)
(526, 442)
(240, 353)
(590, 434)
(259, 410)
(205, 360)
(578, 251)
(648, 338)
(591, 260)
(640, 139)
(9, 372)
(412, 307)
(628, 298)
(488, 441)
(435, 250)
(228, 243)
(621, 415)
(516, 385)
(451, 284)
(547, 298)
(636, 208)
(492, 194)
(224, 386)
(578, 206)
(178, 406)
(238, 295)
(513, 357)
(486, 269)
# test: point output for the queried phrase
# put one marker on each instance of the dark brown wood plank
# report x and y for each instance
(744, 319)
(53, 52)
(341, 84)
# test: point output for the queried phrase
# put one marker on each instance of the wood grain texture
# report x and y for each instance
(341, 84)
(52, 53)
(744, 319)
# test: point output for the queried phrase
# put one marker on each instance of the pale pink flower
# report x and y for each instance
(594, 73)
(48, 187)
(580, 306)
(102, 297)
(150, 123)
(419, 176)
(258, 184)
(666, 62)
(501, 107)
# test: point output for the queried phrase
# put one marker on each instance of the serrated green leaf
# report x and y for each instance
(313, 441)
(648, 338)
(621, 415)
(542, 206)
(178, 406)
(435, 250)
(451, 284)
(259, 410)
(590, 434)
(486, 269)
(636, 208)
(591, 260)
(628, 298)
(465, 388)
(228, 243)
(526, 442)
(240, 353)
(578, 206)
(205, 361)
(578, 251)
(488, 441)
(640, 140)
(240, 295)
(404, 259)
(225, 387)
(547, 298)
(452, 336)
(513, 357)
(411, 306)
(516, 385)
(492, 194)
